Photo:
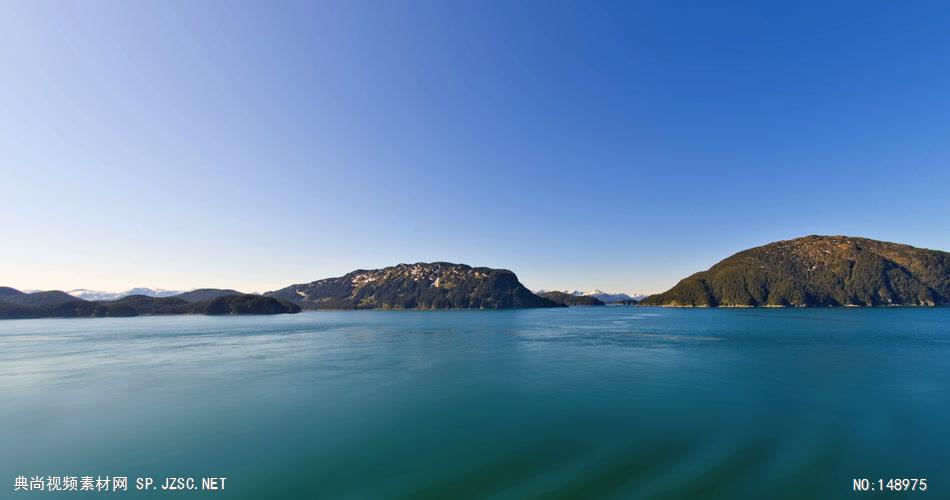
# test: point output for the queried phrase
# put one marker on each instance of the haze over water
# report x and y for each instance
(571, 403)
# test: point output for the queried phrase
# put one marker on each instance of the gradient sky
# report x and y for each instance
(622, 147)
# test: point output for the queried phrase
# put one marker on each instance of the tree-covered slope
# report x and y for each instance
(202, 294)
(437, 285)
(572, 300)
(246, 304)
(38, 299)
(818, 271)
(6, 291)
(60, 305)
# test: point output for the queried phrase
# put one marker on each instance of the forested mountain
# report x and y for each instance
(38, 299)
(246, 304)
(438, 285)
(627, 302)
(201, 294)
(56, 304)
(572, 300)
(818, 271)
(6, 291)
(605, 297)
(610, 298)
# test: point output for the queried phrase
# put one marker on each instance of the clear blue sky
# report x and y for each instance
(254, 145)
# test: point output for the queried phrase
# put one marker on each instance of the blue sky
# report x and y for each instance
(618, 146)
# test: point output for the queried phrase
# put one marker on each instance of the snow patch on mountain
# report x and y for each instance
(86, 294)
(603, 296)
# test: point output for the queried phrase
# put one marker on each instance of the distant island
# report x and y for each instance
(572, 300)
(436, 285)
(15, 304)
(815, 271)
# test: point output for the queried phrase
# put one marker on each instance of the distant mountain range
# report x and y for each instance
(818, 271)
(84, 294)
(15, 304)
(605, 297)
(436, 285)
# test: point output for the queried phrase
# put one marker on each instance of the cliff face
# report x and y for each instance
(438, 285)
(818, 271)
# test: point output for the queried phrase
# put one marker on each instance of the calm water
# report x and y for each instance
(575, 403)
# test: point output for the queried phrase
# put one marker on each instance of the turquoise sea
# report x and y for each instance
(612, 402)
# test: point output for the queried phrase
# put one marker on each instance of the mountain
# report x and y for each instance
(609, 298)
(197, 295)
(142, 305)
(201, 294)
(6, 291)
(568, 299)
(605, 297)
(85, 294)
(628, 302)
(56, 304)
(239, 303)
(38, 299)
(818, 271)
(437, 285)
(247, 304)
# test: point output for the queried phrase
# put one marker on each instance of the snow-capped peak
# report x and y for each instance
(86, 294)
(604, 296)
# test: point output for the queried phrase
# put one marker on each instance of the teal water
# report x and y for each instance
(567, 403)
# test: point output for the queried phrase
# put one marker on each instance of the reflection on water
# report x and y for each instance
(567, 403)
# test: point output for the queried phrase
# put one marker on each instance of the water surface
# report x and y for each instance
(566, 403)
